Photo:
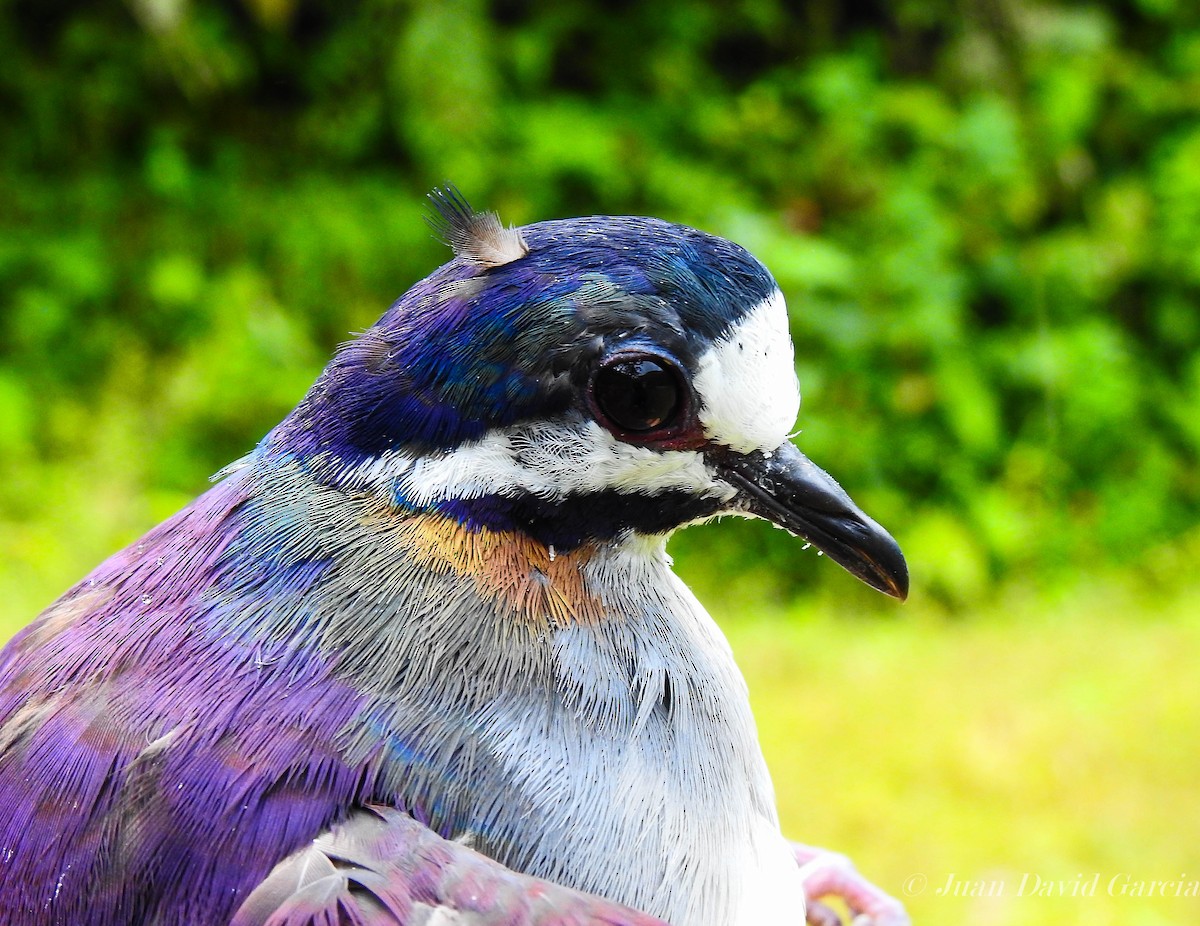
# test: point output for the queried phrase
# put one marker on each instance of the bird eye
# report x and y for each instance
(637, 394)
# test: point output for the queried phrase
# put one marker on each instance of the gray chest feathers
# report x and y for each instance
(618, 756)
(646, 782)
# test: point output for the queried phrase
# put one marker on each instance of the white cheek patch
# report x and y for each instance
(548, 459)
(749, 396)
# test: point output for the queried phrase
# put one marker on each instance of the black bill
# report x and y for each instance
(788, 489)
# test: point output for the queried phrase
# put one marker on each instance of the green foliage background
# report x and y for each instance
(985, 215)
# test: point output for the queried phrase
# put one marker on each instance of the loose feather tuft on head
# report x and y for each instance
(478, 237)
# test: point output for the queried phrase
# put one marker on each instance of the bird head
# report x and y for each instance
(580, 381)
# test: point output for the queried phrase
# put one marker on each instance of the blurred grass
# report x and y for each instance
(1036, 739)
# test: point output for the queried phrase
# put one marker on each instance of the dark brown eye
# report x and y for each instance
(637, 394)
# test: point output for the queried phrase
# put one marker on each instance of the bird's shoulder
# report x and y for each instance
(140, 735)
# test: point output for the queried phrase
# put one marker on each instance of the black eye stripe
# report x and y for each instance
(637, 394)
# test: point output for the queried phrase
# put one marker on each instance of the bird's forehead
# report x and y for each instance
(597, 276)
(584, 286)
(677, 276)
(746, 381)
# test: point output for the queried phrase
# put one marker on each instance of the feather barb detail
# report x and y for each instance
(477, 237)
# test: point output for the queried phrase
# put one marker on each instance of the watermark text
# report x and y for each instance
(1032, 884)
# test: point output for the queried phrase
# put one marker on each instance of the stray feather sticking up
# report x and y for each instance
(477, 237)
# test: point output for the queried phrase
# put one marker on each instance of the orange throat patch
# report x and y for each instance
(536, 584)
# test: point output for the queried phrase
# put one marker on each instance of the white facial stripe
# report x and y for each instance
(548, 459)
(747, 381)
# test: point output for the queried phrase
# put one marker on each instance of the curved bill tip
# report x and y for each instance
(788, 489)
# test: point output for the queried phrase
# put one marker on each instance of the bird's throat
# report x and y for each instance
(536, 583)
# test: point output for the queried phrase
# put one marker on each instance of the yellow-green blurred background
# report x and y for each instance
(985, 215)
